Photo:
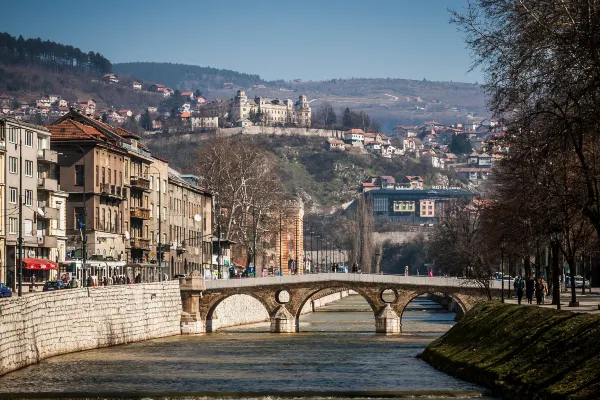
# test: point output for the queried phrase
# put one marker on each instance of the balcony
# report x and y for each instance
(47, 241)
(140, 243)
(112, 191)
(140, 213)
(48, 184)
(140, 182)
(48, 212)
(47, 155)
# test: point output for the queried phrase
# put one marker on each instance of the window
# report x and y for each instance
(79, 175)
(164, 189)
(120, 178)
(40, 171)
(28, 168)
(12, 225)
(164, 215)
(12, 135)
(12, 195)
(41, 143)
(97, 175)
(28, 138)
(28, 227)
(151, 237)
(109, 175)
(13, 165)
(28, 197)
(103, 175)
(115, 176)
(126, 170)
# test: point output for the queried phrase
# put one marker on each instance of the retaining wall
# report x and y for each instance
(41, 325)
(241, 309)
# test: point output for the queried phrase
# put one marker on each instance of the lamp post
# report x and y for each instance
(159, 252)
(502, 244)
(83, 225)
(555, 242)
(377, 254)
(317, 237)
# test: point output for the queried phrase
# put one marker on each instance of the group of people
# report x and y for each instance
(530, 287)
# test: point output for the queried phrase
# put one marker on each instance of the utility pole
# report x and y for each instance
(159, 253)
(280, 249)
(20, 239)
(218, 242)
(254, 236)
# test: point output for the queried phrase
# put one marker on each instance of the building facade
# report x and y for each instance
(30, 178)
(272, 111)
(190, 224)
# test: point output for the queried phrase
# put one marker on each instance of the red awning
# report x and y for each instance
(39, 263)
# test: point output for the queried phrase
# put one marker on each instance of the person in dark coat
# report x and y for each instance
(529, 288)
(519, 286)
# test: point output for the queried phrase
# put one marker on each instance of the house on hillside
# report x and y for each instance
(355, 137)
(188, 95)
(413, 182)
(125, 113)
(88, 107)
(110, 78)
(334, 145)
(136, 85)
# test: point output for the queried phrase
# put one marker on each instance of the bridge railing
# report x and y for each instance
(341, 277)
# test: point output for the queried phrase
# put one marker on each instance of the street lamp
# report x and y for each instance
(83, 225)
(159, 252)
(556, 236)
(377, 254)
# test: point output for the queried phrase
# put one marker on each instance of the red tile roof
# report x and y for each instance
(356, 131)
(70, 129)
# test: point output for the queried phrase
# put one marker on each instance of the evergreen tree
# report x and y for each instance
(460, 144)
(146, 121)
(347, 119)
(104, 118)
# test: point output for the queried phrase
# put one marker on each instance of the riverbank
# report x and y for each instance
(523, 352)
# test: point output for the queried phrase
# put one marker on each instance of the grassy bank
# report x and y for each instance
(523, 352)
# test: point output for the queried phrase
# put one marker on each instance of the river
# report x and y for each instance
(336, 354)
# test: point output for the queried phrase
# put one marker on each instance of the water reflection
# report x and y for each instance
(336, 351)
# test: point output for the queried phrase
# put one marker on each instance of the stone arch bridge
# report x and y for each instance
(283, 297)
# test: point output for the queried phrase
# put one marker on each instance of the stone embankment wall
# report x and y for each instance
(271, 130)
(523, 352)
(241, 309)
(41, 325)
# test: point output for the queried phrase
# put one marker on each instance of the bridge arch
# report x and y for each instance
(336, 287)
(414, 294)
(210, 315)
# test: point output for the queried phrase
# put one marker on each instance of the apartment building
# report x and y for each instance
(91, 160)
(190, 224)
(29, 176)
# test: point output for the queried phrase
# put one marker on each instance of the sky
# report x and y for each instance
(308, 40)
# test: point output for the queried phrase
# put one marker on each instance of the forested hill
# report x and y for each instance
(50, 55)
(183, 76)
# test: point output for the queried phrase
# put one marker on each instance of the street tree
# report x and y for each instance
(542, 69)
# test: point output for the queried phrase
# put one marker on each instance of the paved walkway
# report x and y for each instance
(587, 303)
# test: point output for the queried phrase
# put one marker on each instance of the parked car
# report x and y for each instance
(579, 281)
(53, 285)
(5, 290)
(180, 276)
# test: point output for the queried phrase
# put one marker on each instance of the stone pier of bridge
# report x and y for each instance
(284, 297)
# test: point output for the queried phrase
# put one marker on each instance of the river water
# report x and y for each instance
(336, 354)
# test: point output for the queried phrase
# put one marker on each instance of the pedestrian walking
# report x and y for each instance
(539, 291)
(545, 290)
(354, 268)
(519, 286)
(529, 289)
(105, 281)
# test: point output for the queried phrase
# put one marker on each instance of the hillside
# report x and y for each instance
(182, 76)
(391, 101)
(322, 179)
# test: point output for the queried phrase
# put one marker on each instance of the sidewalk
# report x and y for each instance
(587, 303)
